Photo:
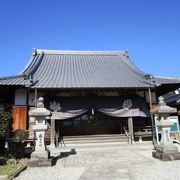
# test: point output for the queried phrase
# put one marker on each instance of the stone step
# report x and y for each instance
(96, 135)
(94, 141)
(89, 139)
(93, 144)
(105, 136)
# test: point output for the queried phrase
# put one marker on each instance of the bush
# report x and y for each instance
(5, 127)
(15, 150)
(20, 135)
(16, 147)
(5, 123)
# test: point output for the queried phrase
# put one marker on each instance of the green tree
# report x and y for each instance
(5, 127)
(5, 123)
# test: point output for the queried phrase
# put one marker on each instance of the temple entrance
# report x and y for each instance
(91, 123)
(99, 115)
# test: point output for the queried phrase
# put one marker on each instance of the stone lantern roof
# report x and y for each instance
(163, 108)
(40, 110)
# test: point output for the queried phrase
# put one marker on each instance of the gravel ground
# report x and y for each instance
(131, 162)
(161, 170)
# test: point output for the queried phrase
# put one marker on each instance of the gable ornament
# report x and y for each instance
(127, 104)
(55, 106)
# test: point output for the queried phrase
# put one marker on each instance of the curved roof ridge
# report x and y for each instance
(130, 64)
(167, 77)
(83, 52)
(34, 64)
(30, 64)
(11, 77)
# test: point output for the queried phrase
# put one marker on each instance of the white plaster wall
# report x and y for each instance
(153, 95)
(31, 99)
(20, 96)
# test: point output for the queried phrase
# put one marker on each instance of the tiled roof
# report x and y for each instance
(81, 69)
(166, 80)
(14, 80)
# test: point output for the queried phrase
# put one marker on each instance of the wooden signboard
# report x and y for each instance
(174, 134)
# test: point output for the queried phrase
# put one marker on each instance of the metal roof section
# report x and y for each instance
(82, 69)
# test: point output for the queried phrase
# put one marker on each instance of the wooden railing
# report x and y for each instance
(126, 132)
(145, 131)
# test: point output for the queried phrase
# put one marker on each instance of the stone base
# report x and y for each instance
(166, 156)
(36, 155)
(40, 159)
(167, 149)
(40, 162)
(52, 146)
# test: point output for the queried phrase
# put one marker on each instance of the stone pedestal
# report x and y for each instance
(166, 156)
(166, 150)
(41, 156)
(40, 149)
(166, 144)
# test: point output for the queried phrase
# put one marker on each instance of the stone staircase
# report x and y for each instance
(90, 140)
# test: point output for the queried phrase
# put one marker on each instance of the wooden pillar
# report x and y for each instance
(150, 98)
(152, 120)
(130, 127)
(52, 144)
(35, 97)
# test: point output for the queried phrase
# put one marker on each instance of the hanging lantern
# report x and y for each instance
(92, 111)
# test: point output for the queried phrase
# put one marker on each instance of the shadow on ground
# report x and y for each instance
(63, 155)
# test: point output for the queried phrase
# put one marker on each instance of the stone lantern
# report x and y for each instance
(40, 157)
(166, 150)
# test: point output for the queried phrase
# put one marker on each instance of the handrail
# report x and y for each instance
(126, 132)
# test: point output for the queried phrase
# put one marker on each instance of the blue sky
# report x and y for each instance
(149, 30)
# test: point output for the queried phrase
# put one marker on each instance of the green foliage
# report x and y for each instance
(9, 169)
(15, 150)
(16, 147)
(5, 123)
(20, 135)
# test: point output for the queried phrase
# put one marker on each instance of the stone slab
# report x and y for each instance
(36, 155)
(105, 172)
(166, 149)
(166, 156)
(40, 163)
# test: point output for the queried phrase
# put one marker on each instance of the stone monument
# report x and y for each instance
(166, 150)
(40, 156)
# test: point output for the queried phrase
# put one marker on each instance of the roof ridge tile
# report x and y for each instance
(81, 52)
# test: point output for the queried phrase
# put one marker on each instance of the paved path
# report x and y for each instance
(131, 162)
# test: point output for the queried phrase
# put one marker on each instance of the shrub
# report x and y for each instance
(5, 123)
(5, 127)
(20, 135)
